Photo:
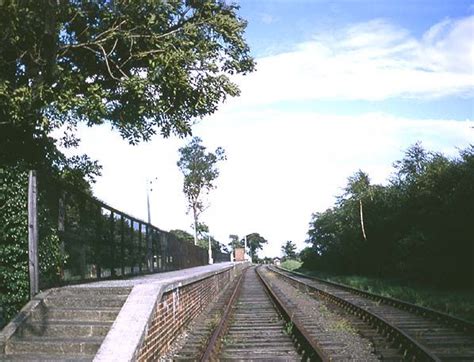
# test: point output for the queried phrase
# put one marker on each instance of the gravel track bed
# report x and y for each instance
(257, 330)
(443, 341)
(190, 344)
(333, 331)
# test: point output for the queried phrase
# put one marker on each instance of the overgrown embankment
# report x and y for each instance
(418, 227)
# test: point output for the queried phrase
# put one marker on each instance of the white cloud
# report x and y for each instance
(284, 165)
(268, 19)
(281, 167)
(375, 60)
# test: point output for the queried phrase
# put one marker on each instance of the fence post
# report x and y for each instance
(112, 245)
(61, 230)
(33, 233)
(149, 248)
(140, 247)
(122, 245)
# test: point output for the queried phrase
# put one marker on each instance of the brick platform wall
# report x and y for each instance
(176, 309)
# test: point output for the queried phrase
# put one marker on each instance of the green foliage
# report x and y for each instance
(417, 227)
(254, 243)
(235, 242)
(14, 285)
(143, 66)
(291, 264)
(14, 280)
(457, 302)
(289, 250)
(200, 170)
(265, 260)
(182, 235)
(203, 240)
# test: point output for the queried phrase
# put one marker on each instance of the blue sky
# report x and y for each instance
(276, 26)
(339, 86)
(278, 23)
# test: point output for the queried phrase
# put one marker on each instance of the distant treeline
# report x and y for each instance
(420, 226)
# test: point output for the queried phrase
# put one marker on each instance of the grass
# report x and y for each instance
(288, 329)
(291, 264)
(343, 325)
(459, 303)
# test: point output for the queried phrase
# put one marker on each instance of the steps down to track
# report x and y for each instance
(68, 324)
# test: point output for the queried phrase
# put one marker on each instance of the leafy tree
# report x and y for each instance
(182, 235)
(412, 165)
(266, 260)
(418, 226)
(309, 257)
(235, 242)
(203, 238)
(358, 188)
(200, 171)
(289, 250)
(254, 243)
(143, 66)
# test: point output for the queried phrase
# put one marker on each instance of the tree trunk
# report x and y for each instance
(362, 220)
(195, 226)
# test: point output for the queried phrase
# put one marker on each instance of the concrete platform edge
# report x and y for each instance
(129, 329)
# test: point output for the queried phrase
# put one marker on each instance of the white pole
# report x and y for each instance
(245, 248)
(211, 261)
(148, 189)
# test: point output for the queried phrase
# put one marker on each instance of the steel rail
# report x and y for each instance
(406, 343)
(301, 331)
(220, 330)
(410, 307)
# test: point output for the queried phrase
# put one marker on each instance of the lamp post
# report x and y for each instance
(149, 184)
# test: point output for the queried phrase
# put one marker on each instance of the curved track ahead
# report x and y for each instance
(419, 332)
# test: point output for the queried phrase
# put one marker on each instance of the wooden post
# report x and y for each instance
(33, 233)
(61, 229)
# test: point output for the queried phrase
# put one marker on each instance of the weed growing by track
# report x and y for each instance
(459, 303)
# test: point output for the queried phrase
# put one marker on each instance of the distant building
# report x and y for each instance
(276, 261)
(239, 254)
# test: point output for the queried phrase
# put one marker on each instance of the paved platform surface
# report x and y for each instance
(130, 326)
(163, 277)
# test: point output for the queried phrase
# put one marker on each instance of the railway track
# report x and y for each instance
(263, 320)
(253, 327)
(418, 333)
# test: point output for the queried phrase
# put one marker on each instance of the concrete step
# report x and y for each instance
(54, 346)
(74, 314)
(37, 357)
(63, 329)
(85, 301)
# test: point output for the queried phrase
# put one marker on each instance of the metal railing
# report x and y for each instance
(96, 241)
